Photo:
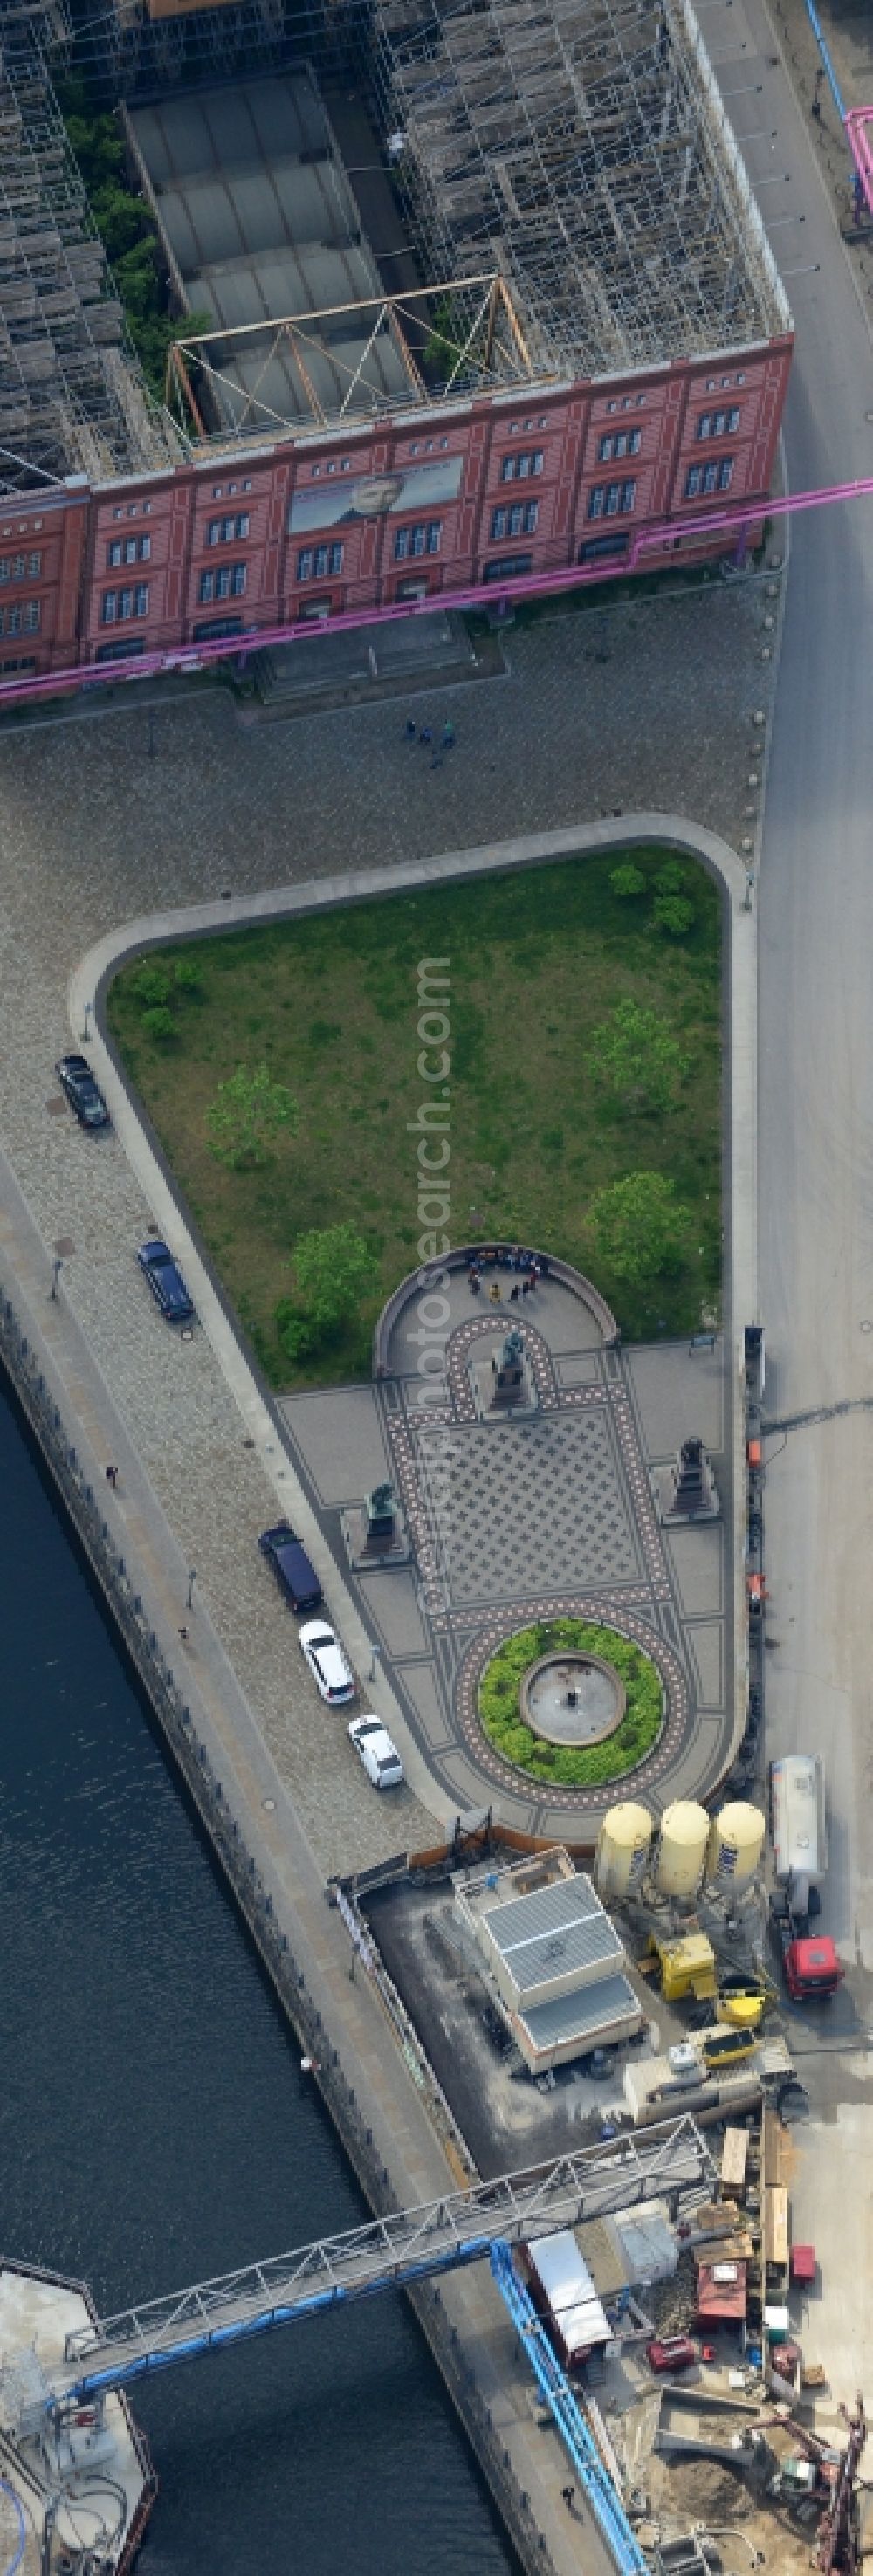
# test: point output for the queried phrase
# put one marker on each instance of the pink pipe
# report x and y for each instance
(856, 123)
(738, 515)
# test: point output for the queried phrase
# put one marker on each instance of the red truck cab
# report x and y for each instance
(812, 1969)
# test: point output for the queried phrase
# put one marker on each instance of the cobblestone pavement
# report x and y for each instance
(650, 706)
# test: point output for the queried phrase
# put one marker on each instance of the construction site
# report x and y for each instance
(438, 252)
(564, 2013)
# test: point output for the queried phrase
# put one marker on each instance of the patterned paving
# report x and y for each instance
(548, 1516)
(544, 1494)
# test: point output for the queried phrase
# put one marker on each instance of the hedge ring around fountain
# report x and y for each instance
(571, 1702)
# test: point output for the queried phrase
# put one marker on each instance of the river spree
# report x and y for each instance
(155, 2127)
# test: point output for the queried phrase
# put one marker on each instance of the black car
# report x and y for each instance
(165, 1281)
(77, 1080)
(291, 1567)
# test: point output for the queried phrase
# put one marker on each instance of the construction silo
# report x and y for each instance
(622, 1850)
(736, 1841)
(682, 1848)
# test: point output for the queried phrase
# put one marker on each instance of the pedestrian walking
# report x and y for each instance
(183, 1632)
(525, 1287)
(112, 1477)
(494, 1293)
(515, 1292)
(567, 2494)
(448, 735)
(410, 729)
(426, 734)
(436, 760)
(532, 1276)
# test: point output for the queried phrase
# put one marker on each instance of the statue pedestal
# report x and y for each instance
(502, 1390)
(366, 1547)
(686, 1489)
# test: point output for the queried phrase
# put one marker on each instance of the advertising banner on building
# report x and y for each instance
(376, 496)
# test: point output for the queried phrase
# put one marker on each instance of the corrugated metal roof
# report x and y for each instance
(567, 2284)
(647, 2242)
(553, 1931)
(582, 2014)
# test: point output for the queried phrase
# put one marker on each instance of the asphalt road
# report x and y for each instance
(816, 1148)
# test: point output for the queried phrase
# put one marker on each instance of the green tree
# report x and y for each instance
(634, 1057)
(245, 1116)
(639, 1226)
(151, 984)
(335, 1271)
(670, 878)
(159, 1023)
(627, 880)
(673, 913)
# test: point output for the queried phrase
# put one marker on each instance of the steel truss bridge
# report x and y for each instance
(393, 2252)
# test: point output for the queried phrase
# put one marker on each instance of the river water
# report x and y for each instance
(155, 2127)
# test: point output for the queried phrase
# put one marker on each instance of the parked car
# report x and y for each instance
(674, 2352)
(378, 1753)
(77, 1080)
(291, 1567)
(332, 1675)
(165, 1280)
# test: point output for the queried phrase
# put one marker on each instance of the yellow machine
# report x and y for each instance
(722, 2047)
(687, 1972)
(686, 1966)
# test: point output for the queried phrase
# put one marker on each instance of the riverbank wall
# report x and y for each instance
(333, 2067)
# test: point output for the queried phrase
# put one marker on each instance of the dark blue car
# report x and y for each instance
(291, 1567)
(165, 1281)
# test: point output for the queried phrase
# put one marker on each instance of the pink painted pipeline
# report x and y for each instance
(737, 516)
(856, 123)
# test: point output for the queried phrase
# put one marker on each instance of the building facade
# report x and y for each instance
(511, 318)
(429, 503)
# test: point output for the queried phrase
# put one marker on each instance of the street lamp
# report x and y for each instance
(57, 1267)
(192, 1578)
(86, 1032)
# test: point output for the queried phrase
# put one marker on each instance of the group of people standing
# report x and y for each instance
(504, 1257)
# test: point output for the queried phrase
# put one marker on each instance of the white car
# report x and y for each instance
(379, 1755)
(332, 1675)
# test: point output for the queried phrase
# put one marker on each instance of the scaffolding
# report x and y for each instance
(71, 398)
(580, 146)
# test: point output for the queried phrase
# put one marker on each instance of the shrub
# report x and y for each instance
(187, 977)
(570, 1765)
(159, 1023)
(627, 881)
(150, 984)
(673, 913)
(670, 879)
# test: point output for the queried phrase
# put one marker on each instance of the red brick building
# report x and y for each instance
(604, 367)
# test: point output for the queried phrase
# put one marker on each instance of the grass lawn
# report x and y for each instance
(538, 960)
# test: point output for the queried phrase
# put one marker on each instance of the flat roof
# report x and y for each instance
(552, 1932)
(569, 2289)
(261, 224)
(582, 2014)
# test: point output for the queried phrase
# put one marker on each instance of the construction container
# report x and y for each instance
(736, 1841)
(682, 1848)
(623, 1845)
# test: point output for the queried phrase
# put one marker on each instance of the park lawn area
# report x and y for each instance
(538, 958)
